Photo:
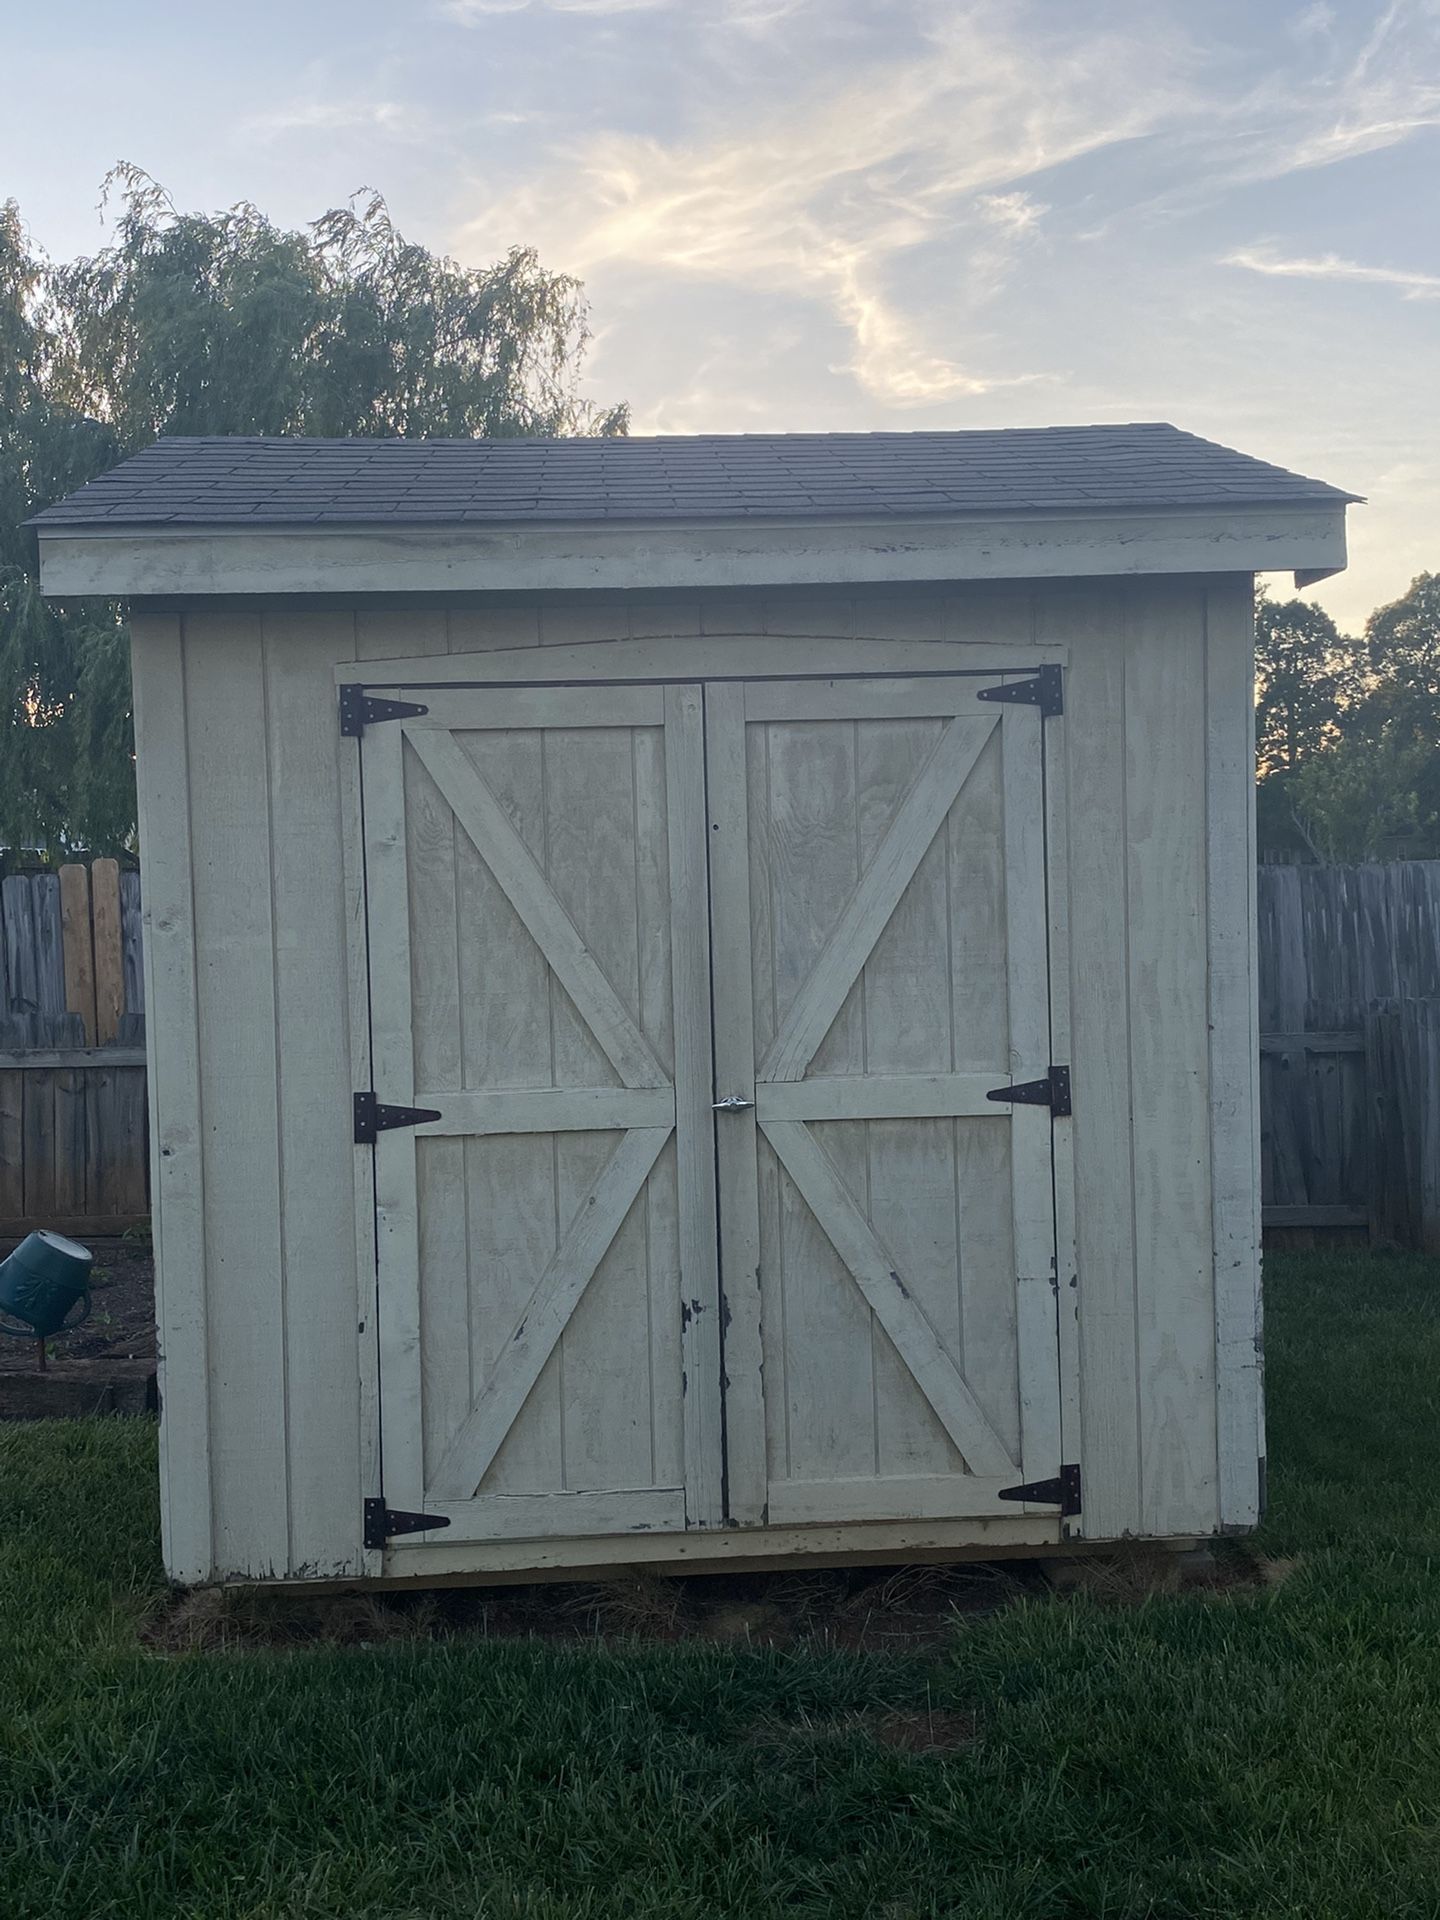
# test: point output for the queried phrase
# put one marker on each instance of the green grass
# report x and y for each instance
(1260, 1752)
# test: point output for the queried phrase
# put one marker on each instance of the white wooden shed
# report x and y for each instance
(700, 991)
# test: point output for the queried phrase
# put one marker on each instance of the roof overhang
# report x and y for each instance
(349, 559)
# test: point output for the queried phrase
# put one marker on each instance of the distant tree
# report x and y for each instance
(1375, 793)
(1403, 644)
(224, 323)
(1307, 673)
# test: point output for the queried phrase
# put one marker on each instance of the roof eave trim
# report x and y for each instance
(199, 562)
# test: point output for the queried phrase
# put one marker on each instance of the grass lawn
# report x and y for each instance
(1266, 1751)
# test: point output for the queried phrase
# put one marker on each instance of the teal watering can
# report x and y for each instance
(41, 1283)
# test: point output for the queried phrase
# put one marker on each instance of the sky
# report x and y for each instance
(850, 215)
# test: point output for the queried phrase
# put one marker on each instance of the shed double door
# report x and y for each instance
(710, 986)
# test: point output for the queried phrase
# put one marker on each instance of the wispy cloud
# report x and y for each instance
(389, 117)
(1362, 99)
(468, 13)
(1413, 285)
(826, 199)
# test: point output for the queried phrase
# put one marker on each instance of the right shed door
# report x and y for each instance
(880, 959)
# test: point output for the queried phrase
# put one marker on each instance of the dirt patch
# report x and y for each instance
(122, 1316)
(860, 1610)
(1131, 1574)
(102, 1366)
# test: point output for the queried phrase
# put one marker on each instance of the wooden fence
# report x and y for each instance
(1349, 1066)
(73, 1148)
(1350, 1051)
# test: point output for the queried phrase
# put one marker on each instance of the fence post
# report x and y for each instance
(1424, 1047)
(109, 961)
(77, 946)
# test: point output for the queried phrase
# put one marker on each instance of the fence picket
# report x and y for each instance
(1349, 993)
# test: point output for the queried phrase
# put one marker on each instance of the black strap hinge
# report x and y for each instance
(1063, 1492)
(383, 1523)
(1046, 691)
(372, 1118)
(1053, 1092)
(359, 710)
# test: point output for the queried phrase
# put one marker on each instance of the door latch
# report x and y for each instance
(732, 1103)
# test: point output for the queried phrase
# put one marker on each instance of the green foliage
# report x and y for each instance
(1306, 672)
(1348, 732)
(224, 323)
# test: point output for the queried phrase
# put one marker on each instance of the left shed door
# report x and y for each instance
(546, 1248)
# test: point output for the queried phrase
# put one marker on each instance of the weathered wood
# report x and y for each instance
(131, 948)
(1312, 1042)
(883, 1096)
(828, 554)
(43, 1059)
(43, 1032)
(314, 1089)
(1337, 936)
(39, 1139)
(1316, 1135)
(1403, 1038)
(79, 949)
(1165, 857)
(813, 1010)
(33, 946)
(690, 973)
(544, 1110)
(109, 954)
(1316, 1217)
(73, 1144)
(556, 1296)
(735, 1142)
(1234, 1063)
(528, 891)
(181, 1276)
(231, 912)
(1095, 720)
(873, 1270)
(59, 1395)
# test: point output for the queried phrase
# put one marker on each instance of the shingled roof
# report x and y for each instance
(215, 482)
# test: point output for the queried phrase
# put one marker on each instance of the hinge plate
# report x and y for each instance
(383, 1523)
(1046, 690)
(1063, 1492)
(1053, 1092)
(359, 710)
(372, 1118)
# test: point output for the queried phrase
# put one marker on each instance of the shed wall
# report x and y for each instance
(242, 772)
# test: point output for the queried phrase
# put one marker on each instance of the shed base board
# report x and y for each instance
(622, 1568)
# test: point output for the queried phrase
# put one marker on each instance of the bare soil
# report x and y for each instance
(895, 1609)
(102, 1365)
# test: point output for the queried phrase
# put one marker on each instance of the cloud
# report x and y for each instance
(468, 13)
(389, 117)
(1358, 102)
(900, 196)
(828, 199)
(1413, 284)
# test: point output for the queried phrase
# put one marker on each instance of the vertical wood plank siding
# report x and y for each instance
(313, 1085)
(239, 1071)
(1234, 1045)
(182, 1280)
(246, 938)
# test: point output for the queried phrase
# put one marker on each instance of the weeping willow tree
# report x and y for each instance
(224, 323)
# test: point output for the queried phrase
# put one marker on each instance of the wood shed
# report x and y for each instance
(701, 991)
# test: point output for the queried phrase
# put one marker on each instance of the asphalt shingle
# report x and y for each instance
(294, 482)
